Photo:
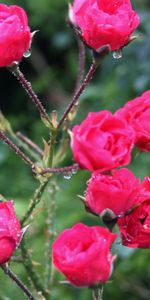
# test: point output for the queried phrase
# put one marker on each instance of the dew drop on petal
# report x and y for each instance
(27, 53)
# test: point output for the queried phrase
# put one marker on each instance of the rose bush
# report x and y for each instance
(135, 228)
(118, 192)
(137, 114)
(83, 254)
(104, 22)
(15, 36)
(102, 142)
(10, 232)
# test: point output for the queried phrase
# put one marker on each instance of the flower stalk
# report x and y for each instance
(34, 201)
(79, 92)
(30, 143)
(81, 63)
(72, 168)
(13, 147)
(29, 90)
(35, 278)
(97, 293)
(17, 281)
(51, 234)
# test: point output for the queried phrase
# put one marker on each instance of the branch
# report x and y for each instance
(21, 285)
(72, 168)
(26, 140)
(50, 233)
(36, 279)
(29, 90)
(81, 63)
(13, 147)
(34, 201)
(78, 93)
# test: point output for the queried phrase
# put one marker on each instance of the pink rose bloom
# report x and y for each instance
(135, 227)
(137, 114)
(102, 142)
(104, 22)
(118, 192)
(83, 254)
(15, 36)
(10, 231)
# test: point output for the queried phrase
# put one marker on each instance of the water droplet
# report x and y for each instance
(74, 171)
(27, 54)
(117, 54)
(67, 175)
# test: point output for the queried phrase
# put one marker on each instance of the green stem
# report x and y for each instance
(51, 208)
(34, 201)
(35, 278)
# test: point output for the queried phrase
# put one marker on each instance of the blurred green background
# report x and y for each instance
(52, 69)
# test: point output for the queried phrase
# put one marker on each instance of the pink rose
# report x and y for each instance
(15, 36)
(135, 227)
(118, 192)
(102, 142)
(104, 22)
(10, 232)
(83, 254)
(137, 114)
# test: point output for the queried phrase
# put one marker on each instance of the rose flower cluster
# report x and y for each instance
(103, 144)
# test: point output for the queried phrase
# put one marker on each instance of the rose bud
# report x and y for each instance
(83, 254)
(135, 228)
(104, 22)
(117, 192)
(102, 142)
(15, 36)
(137, 114)
(10, 232)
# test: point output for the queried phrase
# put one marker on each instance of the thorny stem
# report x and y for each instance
(20, 284)
(51, 208)
(34, 201)
(26, 140)
(97, 293)
(24, 146)
(81, 63)
(73, 167)
(31, 272)
(78, 93)
(7, 141)
(29, 90)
